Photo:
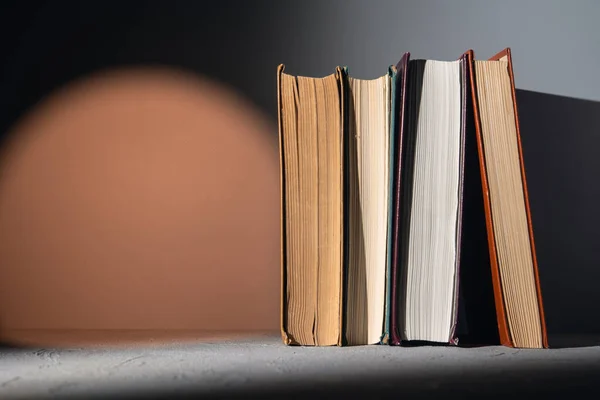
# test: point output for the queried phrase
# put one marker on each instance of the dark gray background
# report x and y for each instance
(556, 52)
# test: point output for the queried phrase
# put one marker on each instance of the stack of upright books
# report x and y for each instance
(405, 216)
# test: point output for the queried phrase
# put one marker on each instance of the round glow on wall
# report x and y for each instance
(140, 199)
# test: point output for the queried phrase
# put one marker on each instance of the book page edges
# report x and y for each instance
(286, 337)
(506, 55)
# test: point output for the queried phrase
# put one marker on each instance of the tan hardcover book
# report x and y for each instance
(311, 137)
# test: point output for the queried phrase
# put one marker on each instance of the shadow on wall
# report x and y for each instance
(560, 138)
(140, 199)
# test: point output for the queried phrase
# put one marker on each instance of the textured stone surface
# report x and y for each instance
(265, 368)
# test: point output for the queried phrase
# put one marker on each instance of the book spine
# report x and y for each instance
(283, 320)
(400, 117)
(463, 126)
(392, 73)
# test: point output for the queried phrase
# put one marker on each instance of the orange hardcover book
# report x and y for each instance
(514, 267)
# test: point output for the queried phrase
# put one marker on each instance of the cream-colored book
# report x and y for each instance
(369, 105)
